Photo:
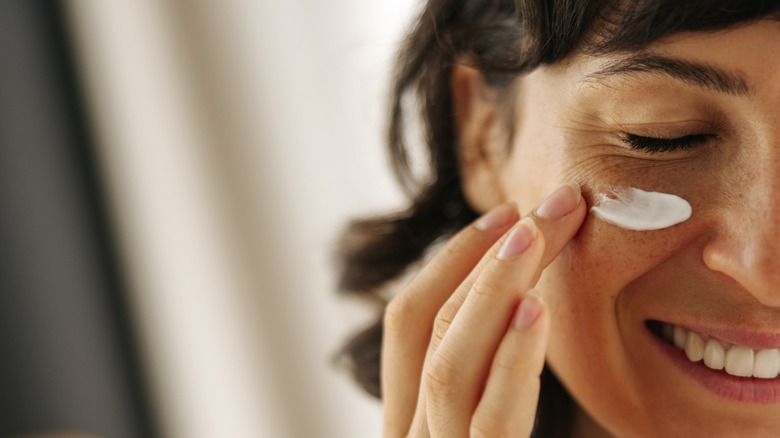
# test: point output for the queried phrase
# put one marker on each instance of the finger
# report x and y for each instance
(562, 213)
(409, 317)
(508, 404)
(465, 366)
(558, 221)
(419, 428)
(455, 374)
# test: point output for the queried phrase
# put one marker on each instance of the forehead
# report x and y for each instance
(732, 61)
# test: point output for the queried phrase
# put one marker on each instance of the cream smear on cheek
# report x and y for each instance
(635, 209)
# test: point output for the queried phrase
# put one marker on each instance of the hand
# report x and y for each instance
(460, 356)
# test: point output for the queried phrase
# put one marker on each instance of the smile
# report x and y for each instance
(736, 360)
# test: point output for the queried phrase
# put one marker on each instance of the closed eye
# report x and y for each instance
(655, 145)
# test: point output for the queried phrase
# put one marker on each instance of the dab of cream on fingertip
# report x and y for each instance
(638, 210)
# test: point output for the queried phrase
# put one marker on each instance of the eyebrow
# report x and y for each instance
(701, 75)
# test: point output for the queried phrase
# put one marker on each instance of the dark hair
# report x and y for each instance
(503, 39)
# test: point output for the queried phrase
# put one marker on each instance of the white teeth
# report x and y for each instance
(694, 347)
(718, 355)
(739, 361)
(767, 364)
(679, 337)
(714, 355)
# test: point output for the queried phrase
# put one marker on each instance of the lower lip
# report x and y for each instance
(726, 386)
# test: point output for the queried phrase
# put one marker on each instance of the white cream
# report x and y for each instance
(635, 209)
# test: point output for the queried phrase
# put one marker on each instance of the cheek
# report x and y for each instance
(536, 165)
(584, 287)
(587, 287)
(534, 169)
(585, 282)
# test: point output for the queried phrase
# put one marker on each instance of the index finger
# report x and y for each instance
(554, 220)
(464, 344)
(557, 219)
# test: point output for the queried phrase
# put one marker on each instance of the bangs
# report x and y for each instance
(551, 30)
(633, 25)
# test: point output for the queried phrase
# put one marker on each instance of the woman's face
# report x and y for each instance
(718, 273)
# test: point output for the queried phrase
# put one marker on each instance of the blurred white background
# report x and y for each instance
(236, 138)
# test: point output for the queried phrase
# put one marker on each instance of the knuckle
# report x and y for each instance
(481, 429)
(484, 288)
(510, 364)
(455, 246)
(477, 431)
(444, 319)
(398, 313)
(493, 420)
(441, 378)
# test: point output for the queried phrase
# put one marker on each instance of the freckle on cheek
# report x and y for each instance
(638, 210)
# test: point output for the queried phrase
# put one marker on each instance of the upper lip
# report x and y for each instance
(756, 338)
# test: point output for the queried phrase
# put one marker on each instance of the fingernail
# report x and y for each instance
(519, 239)
(528, 311)
(561, 202)
(496, 218)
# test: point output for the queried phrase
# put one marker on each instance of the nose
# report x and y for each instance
(746, 242)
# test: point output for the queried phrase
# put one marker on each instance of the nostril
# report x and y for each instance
(754, 269)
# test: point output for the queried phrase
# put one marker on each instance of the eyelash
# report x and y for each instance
(655, 145)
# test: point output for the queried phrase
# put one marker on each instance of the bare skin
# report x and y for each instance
(449, 333)
(468, 294)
